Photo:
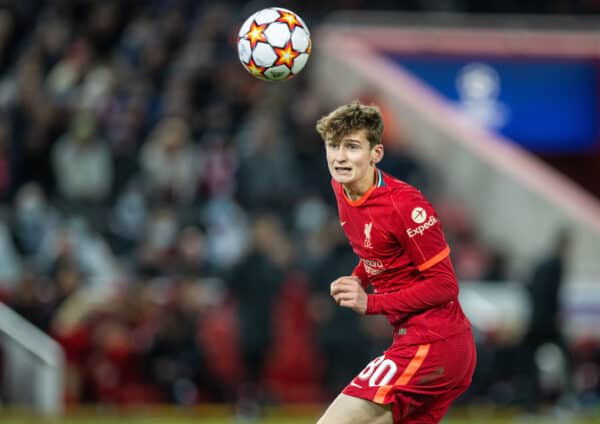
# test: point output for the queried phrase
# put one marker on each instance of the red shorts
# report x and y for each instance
(420, 382)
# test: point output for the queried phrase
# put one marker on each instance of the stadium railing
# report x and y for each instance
(33, 366)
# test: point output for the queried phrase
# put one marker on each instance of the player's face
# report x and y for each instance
(351, 160)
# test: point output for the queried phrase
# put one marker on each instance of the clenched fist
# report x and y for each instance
(348, 293)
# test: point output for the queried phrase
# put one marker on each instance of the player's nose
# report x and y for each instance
(339, 156)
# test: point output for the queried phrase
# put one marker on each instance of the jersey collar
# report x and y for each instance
(362, 199)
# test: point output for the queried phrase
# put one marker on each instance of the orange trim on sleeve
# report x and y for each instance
(437, 258)
(412, 368)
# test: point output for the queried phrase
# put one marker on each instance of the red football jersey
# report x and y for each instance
(404, 256)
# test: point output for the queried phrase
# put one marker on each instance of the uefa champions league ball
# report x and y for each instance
(274, 44)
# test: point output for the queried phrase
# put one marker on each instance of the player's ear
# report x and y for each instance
(377, 153)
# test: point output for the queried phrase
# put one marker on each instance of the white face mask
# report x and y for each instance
(30, 207)
(163, 232)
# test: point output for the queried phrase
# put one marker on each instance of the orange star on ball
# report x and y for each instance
(286, 55)
(256, 34)
(254, 69)
(290, 19)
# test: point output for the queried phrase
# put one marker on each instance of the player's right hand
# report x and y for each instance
(349, 293)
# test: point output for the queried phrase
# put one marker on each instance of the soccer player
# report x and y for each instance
(404, 257)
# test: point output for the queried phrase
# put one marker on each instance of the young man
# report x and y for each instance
(404, 257)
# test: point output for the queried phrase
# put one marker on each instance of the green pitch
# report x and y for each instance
(129, 420)
(306, 414)
(269, 421)
(199, 420)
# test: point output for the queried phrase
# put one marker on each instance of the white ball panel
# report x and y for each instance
(264, 55)
(277, 73)
(246, 26)
(244, 50)
(300, 39)
(277, 34)
(299, 62)
(266, 15)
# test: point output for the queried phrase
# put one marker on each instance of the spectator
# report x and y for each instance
(128, 217)
(227, 231)
(157, 252)
(255, 283)
(545, 326)
(82, 163)
(175, 361)
(170, 162)
(34, 219)
(268, 170)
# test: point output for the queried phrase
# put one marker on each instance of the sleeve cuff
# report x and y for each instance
(373, 304)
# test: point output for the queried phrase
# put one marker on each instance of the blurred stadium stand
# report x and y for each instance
(168, 220)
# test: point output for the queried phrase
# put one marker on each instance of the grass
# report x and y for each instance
(131, 420)
(164, 420)
(288, 415)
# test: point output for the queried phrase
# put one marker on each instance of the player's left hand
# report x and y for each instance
(348, 293)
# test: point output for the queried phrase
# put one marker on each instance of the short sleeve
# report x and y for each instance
(419, 229)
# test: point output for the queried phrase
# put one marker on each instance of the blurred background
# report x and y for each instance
(168, 232)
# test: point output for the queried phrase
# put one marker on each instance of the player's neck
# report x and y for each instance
(357, 189)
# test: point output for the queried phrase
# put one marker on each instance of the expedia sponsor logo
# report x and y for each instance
(412, 232)
(419, 215)
(373, 266)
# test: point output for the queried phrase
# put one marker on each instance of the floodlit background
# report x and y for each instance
(168, 231)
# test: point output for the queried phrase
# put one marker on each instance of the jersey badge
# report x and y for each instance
(367, 231)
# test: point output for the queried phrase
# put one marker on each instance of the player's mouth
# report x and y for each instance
(343, 170)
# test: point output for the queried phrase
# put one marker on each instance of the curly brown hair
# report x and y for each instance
(352, 117)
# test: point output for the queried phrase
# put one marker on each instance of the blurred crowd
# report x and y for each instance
(168, 218)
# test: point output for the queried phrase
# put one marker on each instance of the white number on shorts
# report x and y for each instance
(380, 371)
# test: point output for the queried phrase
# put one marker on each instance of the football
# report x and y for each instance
(274, 44)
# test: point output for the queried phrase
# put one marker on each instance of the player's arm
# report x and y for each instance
(419, 233)
(438, 287)
(360, 273)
